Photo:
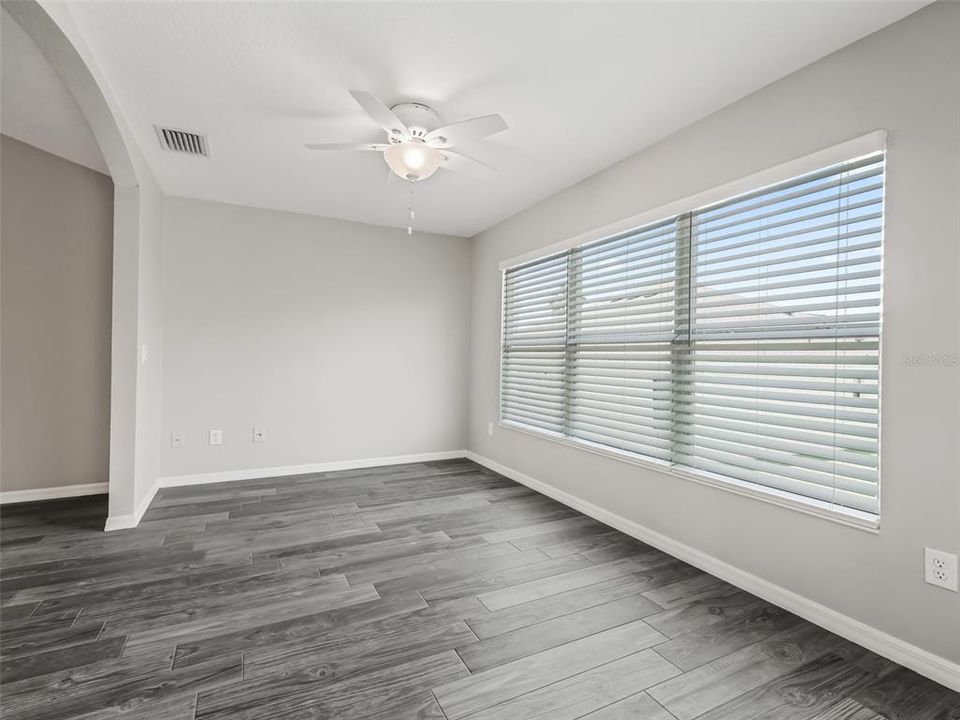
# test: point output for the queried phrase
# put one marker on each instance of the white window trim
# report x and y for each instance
(863, 145)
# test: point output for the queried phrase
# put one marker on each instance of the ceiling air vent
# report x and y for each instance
(182, 141)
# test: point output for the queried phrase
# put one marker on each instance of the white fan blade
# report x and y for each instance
(454, 158)
(465, 130)
(377, 147)
(382, 115)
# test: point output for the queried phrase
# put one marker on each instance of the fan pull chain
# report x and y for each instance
(410, 209)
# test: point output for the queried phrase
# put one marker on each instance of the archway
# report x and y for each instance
(136, 327)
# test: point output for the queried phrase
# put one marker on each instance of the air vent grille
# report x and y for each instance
(182, 141)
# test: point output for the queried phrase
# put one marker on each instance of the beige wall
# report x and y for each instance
(906, 79)
(56, 236)
(344, 341)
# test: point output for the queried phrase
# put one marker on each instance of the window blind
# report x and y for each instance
(779, 383)
(739, 340)
(621, 326)
(533, 372)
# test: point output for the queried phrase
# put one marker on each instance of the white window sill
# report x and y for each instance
(810, 506)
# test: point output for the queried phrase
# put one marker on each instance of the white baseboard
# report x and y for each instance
(120, 522)
(936, 668)
(284, 470)
(65, 491)
(124, 522)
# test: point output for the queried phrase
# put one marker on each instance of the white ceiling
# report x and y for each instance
(580, 85)
(36, 106)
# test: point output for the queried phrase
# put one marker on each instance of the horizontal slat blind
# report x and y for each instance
(622, 320)
(779, 385)
(534, 344)
(739, 340)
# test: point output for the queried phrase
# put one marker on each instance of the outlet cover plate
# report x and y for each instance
(940, 568)
(216, 437)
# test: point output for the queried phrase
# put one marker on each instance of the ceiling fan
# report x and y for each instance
(415, 145)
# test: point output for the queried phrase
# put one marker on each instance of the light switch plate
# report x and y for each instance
(216, 437)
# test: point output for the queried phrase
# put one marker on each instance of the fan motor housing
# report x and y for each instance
(419, 119)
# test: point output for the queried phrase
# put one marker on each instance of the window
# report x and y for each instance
(738, 341)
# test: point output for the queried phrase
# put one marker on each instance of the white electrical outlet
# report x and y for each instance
(258, 434)
(216, 437)
(490, 428)
(940, 568)
(176, 440)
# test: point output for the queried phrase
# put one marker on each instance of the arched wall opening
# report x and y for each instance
(135, 376)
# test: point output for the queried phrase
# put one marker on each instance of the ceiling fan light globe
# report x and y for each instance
(414, 156)
(412, 161)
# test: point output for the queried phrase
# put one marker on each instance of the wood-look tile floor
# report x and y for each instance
(431, 591)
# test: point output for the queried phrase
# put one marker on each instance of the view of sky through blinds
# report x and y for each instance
(740, 339)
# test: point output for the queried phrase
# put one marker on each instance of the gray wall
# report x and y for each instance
(906, 79)
(345, 341)
(56, 236)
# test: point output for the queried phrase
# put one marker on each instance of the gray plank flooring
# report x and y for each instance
(433, 591)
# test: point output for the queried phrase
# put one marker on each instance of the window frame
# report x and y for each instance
(864, 145)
